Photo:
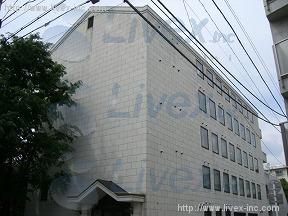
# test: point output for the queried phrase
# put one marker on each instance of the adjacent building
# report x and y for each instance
(159, 133)
(277, 14)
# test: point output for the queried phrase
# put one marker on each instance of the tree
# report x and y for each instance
(31, 88)
(284, 184)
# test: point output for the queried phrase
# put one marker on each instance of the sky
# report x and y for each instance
(198, 20)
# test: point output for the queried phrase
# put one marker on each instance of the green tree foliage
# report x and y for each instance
(31, 88)
(284, 184)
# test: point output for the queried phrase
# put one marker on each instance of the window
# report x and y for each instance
(221, 115)
(251, 162)
(224, 148)
(259, 191)
(253, 139)
(215, 146)
(248, 191)
(202, 101)
(239, 156)
(226, 183)
(219, 86)
(90, 22)
(204, 138)
(200, 69)
(217, 180)
(245, 159)
(242, 131)
(229, 122)
(212, 108)
(248, 135)
(245, 111)
(241, 187)
(234, 102)
(206, 177)
(240, 106)
(232, 152)
(226, 93)
(236, 127)
(256, 165)
(253, 190)
(234, 185)
(210, 78)
(279, 173)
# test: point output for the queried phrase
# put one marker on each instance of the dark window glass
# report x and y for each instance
(253, 139)
(236, 127)
(226, 183)
(206, 177)
(254, 190)
(200, 69)
(221, 115)
(90, 22)
(219, 86)
(217, 180)
(232, 152)
(215, 146)
(212, 108)
(242, 131)
(234, 185)
(239, 156)
(248, 135)
(202, 101)
(229, 122)
(256, 165)
(245, 159)
(210, 78)
(251, 163)
(204, 138)
(259, 192)
(224, 148)
(248, 190)
(241, 187)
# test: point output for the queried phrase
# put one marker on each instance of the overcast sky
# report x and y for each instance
(250, 13)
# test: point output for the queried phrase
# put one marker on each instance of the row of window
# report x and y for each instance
(237, 186)
(222, 88)
(232, 124)
(235, 155)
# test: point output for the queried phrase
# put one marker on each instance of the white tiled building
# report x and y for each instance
(157, 134)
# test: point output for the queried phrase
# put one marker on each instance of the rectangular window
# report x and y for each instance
(253, 139)
(279, 173)
(219, 86)
(248, 135)
(229, 122)
(202, 101)
(241, 187)
(236, 127)
(248, 190)
(90, 22)
(224, 148)
(256, 165)
(210, 78)
(240, 106)
(239, 156)
(254, 190)
(221, 115)
(215, 146)
(232, 152)
(226, 183)
(204, 138)
(259, 191)
(245, 159)
(233, 98)
(212, 108)
(217, 180)
(226, 93)
(242, 131)
(234, 185)
(251, 162)
(206, 177)
(200, 69)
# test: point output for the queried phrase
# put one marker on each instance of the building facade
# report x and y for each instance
(159, 135)
(277, 15)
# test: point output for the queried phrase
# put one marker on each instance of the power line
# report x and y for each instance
(237, 57)
(215, 65)
(248, 56)
(20, 15)
(253, 46)
(3, 18)
(18, 8)
(183, 55)
(37, 18)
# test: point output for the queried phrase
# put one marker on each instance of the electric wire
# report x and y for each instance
(183, 55)
(253, 46)
(265, 118)
(18, 8)
(248, 56)
(237, 57)
(215, 58)
(37, 18)
(20, 15)
(11, 7)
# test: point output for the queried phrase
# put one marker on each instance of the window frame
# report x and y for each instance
(200, 69)
(210, 82)
(213, 136)
(224, 142)
(248, 188)
(201, 98)
(241, 187)
(226, 182)
(237, 156)
(245, 159)
(217, 187)
(208, 185)
(236, 127)
(229, 121)
(207, 137)
(232, 153)
(212, 106)
(234, 183)
(221, 117)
